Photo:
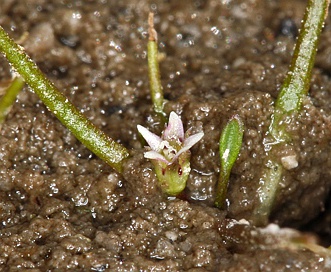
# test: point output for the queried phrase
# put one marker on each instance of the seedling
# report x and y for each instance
(169, 153)
(229, 147)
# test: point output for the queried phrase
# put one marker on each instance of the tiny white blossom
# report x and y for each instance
(165, 148)
(170, 153)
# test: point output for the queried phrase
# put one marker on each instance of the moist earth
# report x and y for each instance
(63, 209)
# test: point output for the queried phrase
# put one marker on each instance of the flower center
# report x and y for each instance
(168, 151)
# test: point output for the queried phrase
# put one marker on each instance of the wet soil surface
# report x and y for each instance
(63, 209)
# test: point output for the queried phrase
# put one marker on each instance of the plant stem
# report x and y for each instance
(153, 68)
(294, 89)
(297, 82)
(93, 138)
(9, 97)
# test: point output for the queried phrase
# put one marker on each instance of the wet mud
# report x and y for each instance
(63, 209)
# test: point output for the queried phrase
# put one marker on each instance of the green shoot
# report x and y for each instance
(229, 146)
(292, 93)
(9, 97)
(153, 68)
(297, 82)
(93, 138)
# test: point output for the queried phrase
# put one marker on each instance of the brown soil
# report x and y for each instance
(63, 209)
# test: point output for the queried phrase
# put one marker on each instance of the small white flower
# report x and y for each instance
(170, 153)
(171, 144)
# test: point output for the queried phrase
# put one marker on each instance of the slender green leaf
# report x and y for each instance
(93, 138)
(293, 91)
(297, 82)
(153, 69)
(229, 147)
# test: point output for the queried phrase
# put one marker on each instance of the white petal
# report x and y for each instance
(153, 155)
(193, 139)
(189, 142)
(175, 129)
(153, 140)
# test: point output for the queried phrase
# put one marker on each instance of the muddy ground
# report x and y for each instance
(63, 209)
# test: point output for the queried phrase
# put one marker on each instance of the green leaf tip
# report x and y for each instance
(8, 99)
(229, 147)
